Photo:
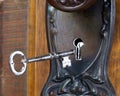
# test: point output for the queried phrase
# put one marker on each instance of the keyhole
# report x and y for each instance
(78, 43)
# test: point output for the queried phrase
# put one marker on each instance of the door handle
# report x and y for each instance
(79, 33)
(71, 5)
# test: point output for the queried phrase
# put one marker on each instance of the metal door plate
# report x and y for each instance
(86, 77)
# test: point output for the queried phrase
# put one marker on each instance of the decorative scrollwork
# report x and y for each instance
(93, 81)
(84, 85)
(71, 5)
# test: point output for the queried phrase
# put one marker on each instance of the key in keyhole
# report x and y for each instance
(78, 43)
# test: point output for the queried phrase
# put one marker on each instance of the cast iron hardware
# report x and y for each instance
(71, 5)
(89, 24)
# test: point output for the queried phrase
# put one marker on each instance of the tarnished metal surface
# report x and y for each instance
(86, 77)
(71, 5)
(88, 33)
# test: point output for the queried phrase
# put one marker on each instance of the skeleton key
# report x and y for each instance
(78, 43)
(25, 61)
(65, 55)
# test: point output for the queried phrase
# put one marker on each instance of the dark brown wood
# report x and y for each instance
(71, 5)
(13, 36)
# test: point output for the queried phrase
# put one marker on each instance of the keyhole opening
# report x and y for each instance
(78, 43)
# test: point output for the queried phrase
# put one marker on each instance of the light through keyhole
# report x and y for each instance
(78, 43)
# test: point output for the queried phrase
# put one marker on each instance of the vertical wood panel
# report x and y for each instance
(42, 68)
(13, 36)
(37, 72)
(31, 46)
(114, 67)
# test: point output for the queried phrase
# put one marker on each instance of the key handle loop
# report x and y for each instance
(23, 61)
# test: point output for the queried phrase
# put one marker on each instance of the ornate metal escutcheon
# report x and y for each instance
(79, 34)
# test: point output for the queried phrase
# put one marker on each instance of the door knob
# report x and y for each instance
(79, 33)
(71, 5)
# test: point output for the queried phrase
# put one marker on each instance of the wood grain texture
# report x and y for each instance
(31, 46)
(37, 72)
(114, 66)
(13, 36)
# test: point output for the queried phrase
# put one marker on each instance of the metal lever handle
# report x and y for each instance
(25, 61)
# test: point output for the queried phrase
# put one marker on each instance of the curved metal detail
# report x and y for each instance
(71, 5)
(23, 61)
(87, 34)
(93, 80)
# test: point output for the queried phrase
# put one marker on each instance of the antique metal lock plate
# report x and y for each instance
(79, 39)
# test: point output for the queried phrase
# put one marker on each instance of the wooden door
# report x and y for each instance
(13, 36)
(114, 62)
(37, 45)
